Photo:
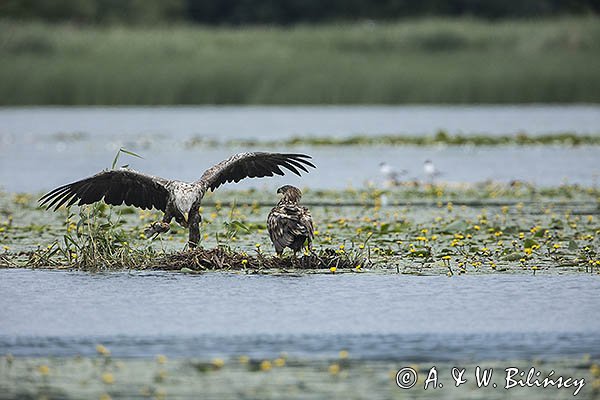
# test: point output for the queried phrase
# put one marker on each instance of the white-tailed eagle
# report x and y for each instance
(177, 199)
(289, 224)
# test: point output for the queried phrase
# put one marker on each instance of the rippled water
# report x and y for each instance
(374, 316)
(76, 142)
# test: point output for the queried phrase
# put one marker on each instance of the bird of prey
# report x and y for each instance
(177, 199)
(289, 224)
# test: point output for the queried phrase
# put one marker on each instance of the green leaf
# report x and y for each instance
(122, 150)
(513, 257)
(540, 233)
(241, 226)
(529, 243)
(131, 153)
(456, 226)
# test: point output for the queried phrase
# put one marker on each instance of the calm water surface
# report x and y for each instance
(374, 316)
(41, 148)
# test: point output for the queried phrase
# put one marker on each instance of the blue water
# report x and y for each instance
(397, 317)
(80, 141)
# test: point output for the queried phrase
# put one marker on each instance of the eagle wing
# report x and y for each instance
(289, 222)
(253, 165)
(306, 220)
(116, 187)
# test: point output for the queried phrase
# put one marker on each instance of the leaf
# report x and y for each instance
(513, 257)
(509, 229)
(68, 239)
(240, 225)
(529, 243)
(456, 226)
(421, 252)
(540, 233)
(122, 150)
(573, 245)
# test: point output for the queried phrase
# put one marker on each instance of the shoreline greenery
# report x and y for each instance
(281, 12)
(431, 60)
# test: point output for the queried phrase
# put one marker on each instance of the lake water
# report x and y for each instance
(41, 148)
(377, 317)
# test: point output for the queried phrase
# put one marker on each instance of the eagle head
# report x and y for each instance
(290, 193)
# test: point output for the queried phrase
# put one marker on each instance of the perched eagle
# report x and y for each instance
(177, 199)
(289, 224)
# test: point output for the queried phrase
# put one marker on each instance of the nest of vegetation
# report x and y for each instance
(223, 259)
(195, 260)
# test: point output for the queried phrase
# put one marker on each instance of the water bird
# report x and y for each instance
(177, 199)
(391, 175)
(289, 224)
(430, 170)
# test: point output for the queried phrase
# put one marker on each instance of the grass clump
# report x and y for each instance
(96, 242)
(100, 243)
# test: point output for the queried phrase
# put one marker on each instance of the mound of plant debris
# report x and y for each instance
(224, 259)
(195, 260)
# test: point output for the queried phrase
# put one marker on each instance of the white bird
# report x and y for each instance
(392, 177)
(430, 170)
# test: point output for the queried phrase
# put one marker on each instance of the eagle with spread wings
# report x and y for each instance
(290, 224)
(177, 199)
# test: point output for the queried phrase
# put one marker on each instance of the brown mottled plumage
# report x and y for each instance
(177, 199)
(289, 224)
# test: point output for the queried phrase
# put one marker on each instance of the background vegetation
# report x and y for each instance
(414, 61)
(280, 11)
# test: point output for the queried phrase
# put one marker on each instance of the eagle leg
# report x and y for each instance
(279, 250)
(194, 227)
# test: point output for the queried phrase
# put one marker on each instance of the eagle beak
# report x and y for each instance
(185, 217)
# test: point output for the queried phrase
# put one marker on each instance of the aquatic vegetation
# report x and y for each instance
(273, 377)
(223, 259)
(440, 138)
(440, 229)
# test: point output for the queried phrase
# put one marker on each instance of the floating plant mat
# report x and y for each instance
(440, 138)
(195, 261)
(440, 229)
(107, 377)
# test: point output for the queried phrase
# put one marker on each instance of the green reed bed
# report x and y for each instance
(411, 61)
(486, 228)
